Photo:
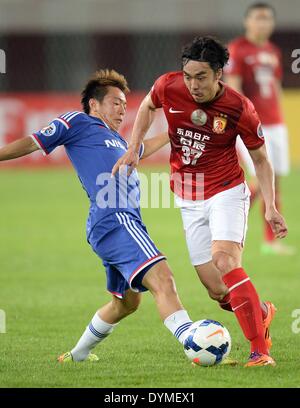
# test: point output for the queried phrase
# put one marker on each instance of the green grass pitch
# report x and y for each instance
(51, 283)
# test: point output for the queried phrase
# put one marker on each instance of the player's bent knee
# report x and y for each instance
(129, 309)
(216, 289)
(126, 307)
(163, 284)
(160, 279)
(224, 262)
(217, 295)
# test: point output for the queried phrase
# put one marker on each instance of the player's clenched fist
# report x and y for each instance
(130, 159)
(277, 223)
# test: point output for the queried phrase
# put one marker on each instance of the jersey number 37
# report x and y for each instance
(190, 156)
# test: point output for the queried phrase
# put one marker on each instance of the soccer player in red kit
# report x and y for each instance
(204, 117)
(255, 70)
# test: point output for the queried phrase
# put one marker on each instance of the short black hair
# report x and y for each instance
(260, 5)
(206, 49)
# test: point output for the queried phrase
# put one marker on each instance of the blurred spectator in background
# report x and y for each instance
(255, 69)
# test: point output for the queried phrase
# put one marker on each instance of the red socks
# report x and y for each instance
(225, 305)
(245, 304)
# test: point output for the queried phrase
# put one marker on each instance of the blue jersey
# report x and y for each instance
(93, 148)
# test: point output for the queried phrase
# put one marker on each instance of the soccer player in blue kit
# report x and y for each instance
(115, 231)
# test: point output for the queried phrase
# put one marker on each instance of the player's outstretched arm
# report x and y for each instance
(19, 148)
(265, 177)
(155, 143)
(141, 125)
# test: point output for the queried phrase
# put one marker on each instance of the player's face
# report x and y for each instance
(260, 23)
(201, 80)
(112, 108)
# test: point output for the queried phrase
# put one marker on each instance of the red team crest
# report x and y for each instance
(219, 124)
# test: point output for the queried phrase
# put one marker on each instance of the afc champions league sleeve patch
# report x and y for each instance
(49, 130)
(260, 132)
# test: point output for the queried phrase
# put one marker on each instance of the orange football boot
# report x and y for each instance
(259, 360)
(271, 310)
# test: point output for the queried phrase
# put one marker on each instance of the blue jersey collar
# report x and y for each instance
(101, 121)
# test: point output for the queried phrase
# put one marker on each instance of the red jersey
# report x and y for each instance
(260, 68)
(203, 136)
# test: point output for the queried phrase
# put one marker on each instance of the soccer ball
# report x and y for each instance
(207, 342)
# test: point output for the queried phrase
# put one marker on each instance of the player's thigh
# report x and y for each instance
(116, 284)
(228, 216)
(159, 277)
(130, 302)
(138, 254)
(127, 252)
(197, 234)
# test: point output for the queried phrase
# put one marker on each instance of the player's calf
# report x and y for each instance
(103, 324)
(211, 278)
(159, 280)
(244, 300)
(118, 309)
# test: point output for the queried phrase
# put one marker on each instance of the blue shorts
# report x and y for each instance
(126, 250)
